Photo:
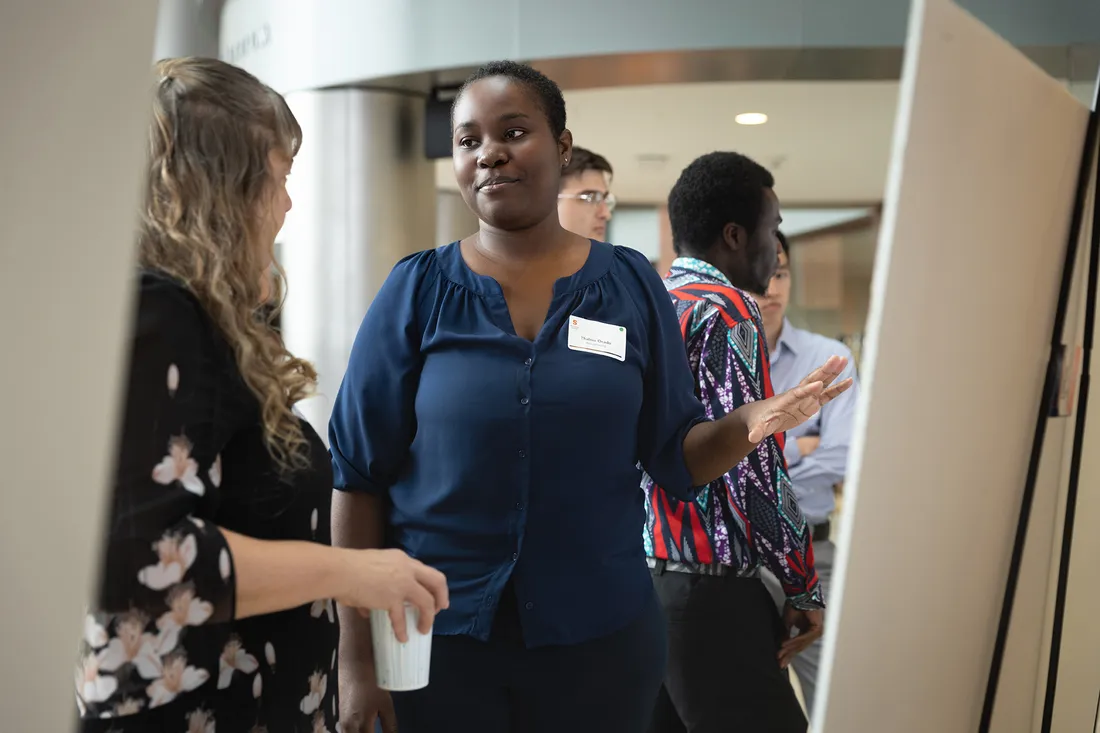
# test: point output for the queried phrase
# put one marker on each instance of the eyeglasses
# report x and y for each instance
(592, 197)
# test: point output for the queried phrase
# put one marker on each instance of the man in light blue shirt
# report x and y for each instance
(817, 450)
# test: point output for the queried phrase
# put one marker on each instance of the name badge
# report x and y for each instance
(597, 338)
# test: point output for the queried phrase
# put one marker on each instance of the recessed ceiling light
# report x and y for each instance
(751, 118)
(652, 161)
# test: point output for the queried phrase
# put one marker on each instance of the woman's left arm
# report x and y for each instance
(677, 445)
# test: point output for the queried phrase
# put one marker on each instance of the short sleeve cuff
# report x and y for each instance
(672, 473)
(346, 478)
(808, 601)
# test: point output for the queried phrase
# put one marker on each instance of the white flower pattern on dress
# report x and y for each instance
(177, 677)
(200, 721)
(321, 607)
(90, 685)
(129, 706)
(179, 466)
(185, 609)
(319, 723)
(132, 645)
(318, 684)
(225, 567)
(215, 472)
(94, 633)
(149, 644)
(173, 379)
(234, 659)
(176, 556)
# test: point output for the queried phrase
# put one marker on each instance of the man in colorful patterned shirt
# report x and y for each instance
(728, 646)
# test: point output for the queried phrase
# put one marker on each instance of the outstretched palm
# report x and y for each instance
(795, 406)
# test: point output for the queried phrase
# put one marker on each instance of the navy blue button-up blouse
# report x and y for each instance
(503, 458)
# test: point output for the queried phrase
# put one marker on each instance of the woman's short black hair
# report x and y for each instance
(783, 244)
(544, 88)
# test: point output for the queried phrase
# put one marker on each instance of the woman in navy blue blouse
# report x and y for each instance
(502, 392)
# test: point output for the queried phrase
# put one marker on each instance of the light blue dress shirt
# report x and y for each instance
(798, 353)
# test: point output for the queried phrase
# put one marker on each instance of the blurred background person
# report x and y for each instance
(817, 450)
(215, 604)
(728, 648)
(585, 201)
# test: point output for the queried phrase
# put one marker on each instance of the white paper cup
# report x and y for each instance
(400, 667)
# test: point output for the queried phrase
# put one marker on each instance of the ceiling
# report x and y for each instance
(826, 142)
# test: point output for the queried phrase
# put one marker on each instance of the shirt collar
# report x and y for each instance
(700, 267)
(788, 337)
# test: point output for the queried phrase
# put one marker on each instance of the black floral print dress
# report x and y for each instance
(161, 649)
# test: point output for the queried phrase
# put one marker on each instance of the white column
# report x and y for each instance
(187, 28)
(364, 196)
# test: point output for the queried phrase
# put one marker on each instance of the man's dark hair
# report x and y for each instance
(714, 190)
(783, 245)
(544, 88)
(583, 160)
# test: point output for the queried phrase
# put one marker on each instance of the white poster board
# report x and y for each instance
(75, 91)
(977, 210)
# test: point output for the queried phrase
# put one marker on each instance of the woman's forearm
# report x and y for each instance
(274, 575)
(712, 448)
(357, 523)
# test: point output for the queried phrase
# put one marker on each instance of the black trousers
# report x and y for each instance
(607, 685)
(723, 671)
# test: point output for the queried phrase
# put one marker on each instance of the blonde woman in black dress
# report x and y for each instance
(216, 605)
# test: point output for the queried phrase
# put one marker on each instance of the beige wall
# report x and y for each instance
(956, 352)
(453, 218)
(667, 254)
(1020, 696)
(831, 304)
(75, 84)
(831, 280)
(1079, 672)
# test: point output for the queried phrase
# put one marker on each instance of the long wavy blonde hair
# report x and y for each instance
(214, 127)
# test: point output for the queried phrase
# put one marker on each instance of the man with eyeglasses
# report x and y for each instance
(584, 201)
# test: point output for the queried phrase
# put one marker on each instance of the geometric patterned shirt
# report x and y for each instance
(750, 517)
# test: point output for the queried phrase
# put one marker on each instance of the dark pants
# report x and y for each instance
(607, 685)
(723, 671)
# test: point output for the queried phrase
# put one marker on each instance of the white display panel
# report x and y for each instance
(75, 86)
(976, 215)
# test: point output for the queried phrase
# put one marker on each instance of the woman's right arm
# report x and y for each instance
(276, 575)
